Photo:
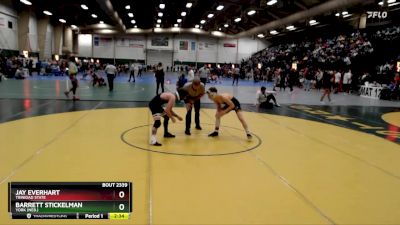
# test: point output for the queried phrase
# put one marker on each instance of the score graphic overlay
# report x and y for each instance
(70, 200)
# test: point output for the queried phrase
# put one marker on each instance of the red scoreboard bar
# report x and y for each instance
(70, 200)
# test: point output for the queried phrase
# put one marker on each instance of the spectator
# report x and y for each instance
(159, 74)
(236, 74)
(346, 81)
(73, 72)
(338, 78)
(190, 74)
(181, 81)
(132, 73)
(264, 97)
(204, 73)
(326, 85)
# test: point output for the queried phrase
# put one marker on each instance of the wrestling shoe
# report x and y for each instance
(156, 144)
(249, 136)
(213, 134)
(169, 135)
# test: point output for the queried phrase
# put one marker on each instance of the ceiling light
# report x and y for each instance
(189, 5)
(84, 7)
(130, 15)
(210, 15)
(94, 15)
(196, 26)
(47, 13)
(162, 6)
(220, 7)
(101, 22)
(26, 2)
(183, 13)
(217, 33)
(159, 21)
(291, 27)
(391, 1)
(135, 30)
(160, 14)
(135, 26)
(196, 30)
(202, 21)
(179, 20)
(74, 27)
(62, 20)
(337, 14)
(176, 25)
(158, 29)
(272, 2)
(175, 29)
(273, 32)
(393, 4)
(157, 25)
(345, 13)
(251, 12)
(313, 22)
(127, 7)
(260, 35)
(226, 25)
(238, 19)
(133, 21)
(107, 31)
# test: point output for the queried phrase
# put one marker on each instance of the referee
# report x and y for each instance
(111, 72)
(195, 90)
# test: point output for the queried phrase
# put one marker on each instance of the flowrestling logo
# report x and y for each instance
(377, 14)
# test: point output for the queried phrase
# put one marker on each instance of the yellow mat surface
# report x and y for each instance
(294, 171)
(392, 118)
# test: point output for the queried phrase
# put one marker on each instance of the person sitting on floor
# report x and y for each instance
(264, 97)
(98, 80)
(19, 74)
(181, 81)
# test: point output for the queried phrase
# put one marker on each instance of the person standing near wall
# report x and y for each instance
(111, 72)
(135, 71)
(72, 71)
(190, 74)
(3, 66)
(30, 67)
(160, 77)
(327, 80)
(236, 74)
(338, 78)
(132, 73)
(346, 81)
(203, 74)
(140, 66)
